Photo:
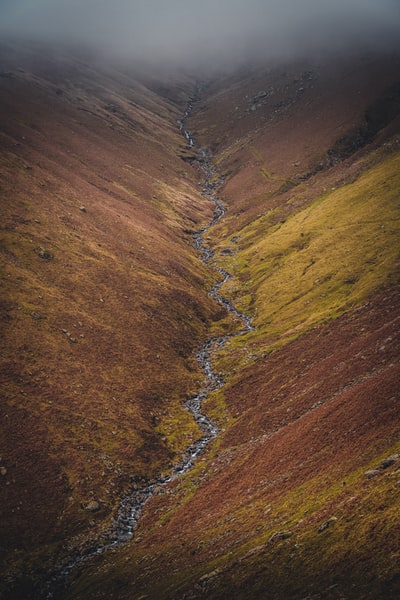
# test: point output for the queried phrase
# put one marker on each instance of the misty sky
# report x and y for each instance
(206, 30)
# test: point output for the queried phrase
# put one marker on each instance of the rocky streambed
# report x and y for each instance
(126, 520)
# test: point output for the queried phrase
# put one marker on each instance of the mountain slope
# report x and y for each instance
(298, 497)
(103, 297)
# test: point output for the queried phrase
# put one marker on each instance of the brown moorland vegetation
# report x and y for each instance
(298, 496)
(104, 298)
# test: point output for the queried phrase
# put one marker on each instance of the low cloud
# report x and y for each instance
(206, 32)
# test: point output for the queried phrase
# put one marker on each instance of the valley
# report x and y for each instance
(111, 242)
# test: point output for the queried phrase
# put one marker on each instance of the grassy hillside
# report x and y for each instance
(298, 496)
(304, 269)
(107, 303)
(103, 298)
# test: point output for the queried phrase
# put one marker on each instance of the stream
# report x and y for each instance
(126, 520)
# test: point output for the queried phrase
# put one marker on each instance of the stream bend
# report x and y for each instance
(126, 520)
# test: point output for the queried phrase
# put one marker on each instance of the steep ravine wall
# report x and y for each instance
(298, 497)
(104, 302)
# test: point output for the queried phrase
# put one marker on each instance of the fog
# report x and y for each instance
(206, 32)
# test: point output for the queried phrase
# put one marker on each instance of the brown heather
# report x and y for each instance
(104, 305)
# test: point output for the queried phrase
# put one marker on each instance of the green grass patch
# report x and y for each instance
(177, 428)
(321, 261)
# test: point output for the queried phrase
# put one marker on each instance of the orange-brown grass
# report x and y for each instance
(103, 298)
(286, 480)
(280, 506)
(320, 261)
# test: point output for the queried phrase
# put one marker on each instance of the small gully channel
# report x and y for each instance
(126, 520)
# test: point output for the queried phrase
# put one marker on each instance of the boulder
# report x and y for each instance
(92, 506)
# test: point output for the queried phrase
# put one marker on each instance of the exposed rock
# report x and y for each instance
(372, 473)
(92, 506)
(388, 462)
(205, 578)
(385, 464)
(327, 524)
(280, 535)
(3, 471)
(83, 208)
(260, 95)
(252, 552)
(69, 336)
(112, 107)
(45, 254)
